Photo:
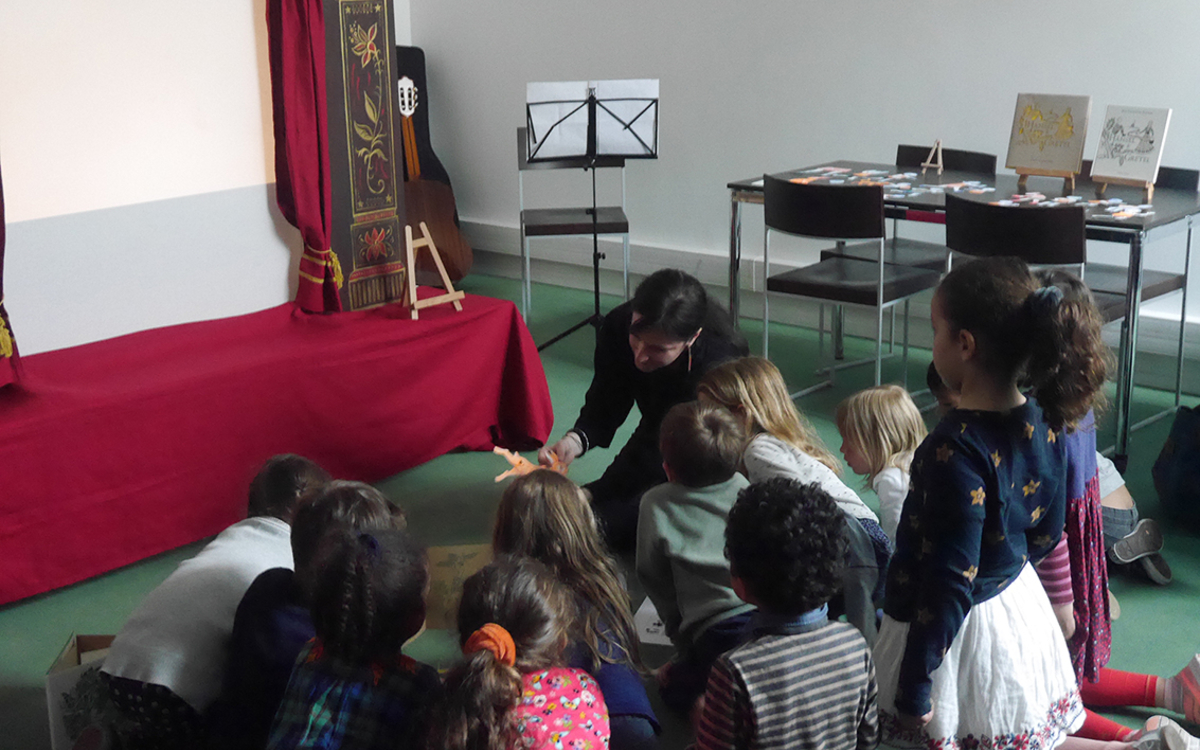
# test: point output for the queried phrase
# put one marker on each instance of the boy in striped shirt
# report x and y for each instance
(803, 681)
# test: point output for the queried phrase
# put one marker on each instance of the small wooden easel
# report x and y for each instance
(410, 250)
(1024, 172)
(1103, 182)
(934, 159)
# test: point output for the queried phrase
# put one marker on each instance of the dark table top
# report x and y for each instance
(927, 192)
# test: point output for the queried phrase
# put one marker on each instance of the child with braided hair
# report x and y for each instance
(512, 690)
(351, 686)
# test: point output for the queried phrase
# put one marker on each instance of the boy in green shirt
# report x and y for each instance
(681, 545)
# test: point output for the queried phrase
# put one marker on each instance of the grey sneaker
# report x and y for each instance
(1156, 568)
(1145, 539)
(1166, 735)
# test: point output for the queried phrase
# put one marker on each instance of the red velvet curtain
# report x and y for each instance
(296, 32)
(8, 345)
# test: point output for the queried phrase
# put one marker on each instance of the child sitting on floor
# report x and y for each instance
(881, 429)
(273, 621)
(351, 685)
(513, 689)
(803, 680)
(680, 545)
(545, 516)
(166, 664)
(783, 443)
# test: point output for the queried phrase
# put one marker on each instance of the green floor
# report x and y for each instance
(450, 500)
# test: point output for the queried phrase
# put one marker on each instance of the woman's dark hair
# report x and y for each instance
(368, 595)
(545, 516)
(785, 541)
(276, 489)
(1029, 333)
(336, 507)
(521, 596)
(676, 304)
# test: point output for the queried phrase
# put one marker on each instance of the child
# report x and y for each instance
(1128, 539)
(166, 664)
(680, 546)
(513, 690)
(803, 680)
(784, 444)
(273, 621)
(1084, 597)
(351, 686)
(969, 649)
(881, 429)
(547, 517)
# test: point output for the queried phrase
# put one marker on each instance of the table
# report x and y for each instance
(117, 450)
(1174, 211)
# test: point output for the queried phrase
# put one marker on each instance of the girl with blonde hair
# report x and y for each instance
(881, 429)
(547, 517)
(783, 443)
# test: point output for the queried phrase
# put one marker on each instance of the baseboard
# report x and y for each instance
(566, 261)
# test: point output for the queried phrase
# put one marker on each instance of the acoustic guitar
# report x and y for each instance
(428, 196)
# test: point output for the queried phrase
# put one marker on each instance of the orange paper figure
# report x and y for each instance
(522, 466)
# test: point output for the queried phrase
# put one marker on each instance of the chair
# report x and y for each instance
(838, 212)
(917, 253)
(953, 159)
(559, 222)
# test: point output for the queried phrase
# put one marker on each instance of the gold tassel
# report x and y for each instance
(6, 341)
(332, 260)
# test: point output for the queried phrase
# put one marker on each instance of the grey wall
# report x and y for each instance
(765, 86)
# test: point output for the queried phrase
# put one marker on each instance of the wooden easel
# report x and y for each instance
(1103, 182)
(935, 157)
(410, 251)
(1068, 178)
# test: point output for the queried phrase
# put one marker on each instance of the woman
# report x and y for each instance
(650, 351)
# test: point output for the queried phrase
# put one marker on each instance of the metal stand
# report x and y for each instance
(596, 318)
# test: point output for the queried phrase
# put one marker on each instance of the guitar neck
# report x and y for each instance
(411, 159)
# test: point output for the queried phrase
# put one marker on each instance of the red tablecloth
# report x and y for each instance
(122, 449)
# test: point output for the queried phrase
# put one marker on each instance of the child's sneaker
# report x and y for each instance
(1156, 568)
(1162, 733)
(1145, 539)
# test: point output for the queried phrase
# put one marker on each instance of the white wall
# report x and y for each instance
(764, 86)
(137, 152)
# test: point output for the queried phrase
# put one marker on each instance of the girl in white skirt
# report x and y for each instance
(970, 653)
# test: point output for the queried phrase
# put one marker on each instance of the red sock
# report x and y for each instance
(1097, 727)
(1117, 688)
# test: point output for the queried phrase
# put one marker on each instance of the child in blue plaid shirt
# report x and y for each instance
(351, 687)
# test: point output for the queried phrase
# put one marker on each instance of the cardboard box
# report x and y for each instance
(75, 695)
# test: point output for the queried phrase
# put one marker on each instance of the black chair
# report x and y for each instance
(953, 159)
(559, 222)
(907, 252)
(838, 212)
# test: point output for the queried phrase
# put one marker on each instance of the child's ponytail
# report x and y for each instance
(1068, 361)
(512, 619)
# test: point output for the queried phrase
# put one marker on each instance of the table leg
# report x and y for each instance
(735, 255)
(1128, 354)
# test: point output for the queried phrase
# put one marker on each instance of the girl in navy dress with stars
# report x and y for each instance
(969, 652)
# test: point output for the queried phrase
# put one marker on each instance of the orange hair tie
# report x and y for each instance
(493, 638)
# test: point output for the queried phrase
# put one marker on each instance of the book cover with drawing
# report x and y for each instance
(1048, 132)
(1131, 144)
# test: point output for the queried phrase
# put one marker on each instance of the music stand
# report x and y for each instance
(589, 120)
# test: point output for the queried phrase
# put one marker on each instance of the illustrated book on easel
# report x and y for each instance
(1131, 144)
(1048, 131)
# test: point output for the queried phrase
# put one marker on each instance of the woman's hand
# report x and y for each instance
(568, 448)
